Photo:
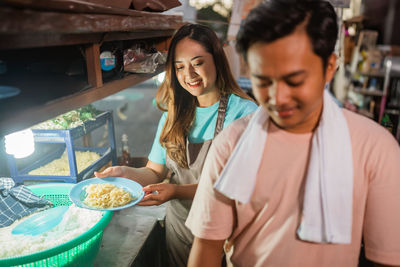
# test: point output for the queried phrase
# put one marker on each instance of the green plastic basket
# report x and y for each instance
(80, 251)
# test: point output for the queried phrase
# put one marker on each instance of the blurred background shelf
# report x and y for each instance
(379, 73)
(368, 92)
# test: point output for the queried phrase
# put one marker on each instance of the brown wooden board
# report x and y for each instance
(76, 6)
(15, 21)
(92, 53)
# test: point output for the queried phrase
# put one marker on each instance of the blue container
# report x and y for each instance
(66, 138)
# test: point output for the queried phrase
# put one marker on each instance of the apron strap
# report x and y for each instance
(223, 102)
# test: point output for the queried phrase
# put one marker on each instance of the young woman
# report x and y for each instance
(200, 97)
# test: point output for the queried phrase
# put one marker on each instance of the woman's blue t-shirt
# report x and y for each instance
(204, 123)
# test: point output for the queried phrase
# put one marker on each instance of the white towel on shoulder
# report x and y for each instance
(328, 199)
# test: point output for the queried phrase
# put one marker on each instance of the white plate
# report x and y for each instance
(8, 91)
(78, 193)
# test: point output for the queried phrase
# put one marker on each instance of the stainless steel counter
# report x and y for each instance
(126, 234)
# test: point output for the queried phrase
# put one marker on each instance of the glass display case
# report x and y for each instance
(64, 142)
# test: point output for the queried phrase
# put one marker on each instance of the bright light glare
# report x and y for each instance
(160, 77)
(20, 144)
(198, 4)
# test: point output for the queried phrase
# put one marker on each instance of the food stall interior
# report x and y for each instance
(59, 60)
(55, 60)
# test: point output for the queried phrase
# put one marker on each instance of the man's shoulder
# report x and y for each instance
(364, 127)
(368, 134)
(225, 142)
(233, 132)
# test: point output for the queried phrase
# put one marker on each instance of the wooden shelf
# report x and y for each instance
(46, 93)
(392, 111)
(368, 92)
(31, 28)
(375, 73)
(28, 113)
(379, 73)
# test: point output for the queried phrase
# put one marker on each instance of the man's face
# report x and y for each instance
(288, 80)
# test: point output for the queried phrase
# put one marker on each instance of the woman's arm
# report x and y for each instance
(206, 252)
(185, 191)
(383, 265)
(152, 173)
(157, 194)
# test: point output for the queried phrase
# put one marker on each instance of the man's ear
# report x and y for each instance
(330, 67)
(245, 64)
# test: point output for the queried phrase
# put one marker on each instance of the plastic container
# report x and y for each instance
(80, 251)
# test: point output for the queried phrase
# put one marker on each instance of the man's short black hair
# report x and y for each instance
(274, 19)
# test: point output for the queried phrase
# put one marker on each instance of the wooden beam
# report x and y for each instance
(14, 21)
(93, 67)
(32, 40)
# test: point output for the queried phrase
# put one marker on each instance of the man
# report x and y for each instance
(301, 182)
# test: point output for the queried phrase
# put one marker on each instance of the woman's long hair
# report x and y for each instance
(180, 104)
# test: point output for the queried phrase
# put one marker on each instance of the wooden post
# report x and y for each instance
(163, 45)
(93, 67)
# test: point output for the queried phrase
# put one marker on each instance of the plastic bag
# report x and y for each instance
(155, 5)
(138, 60)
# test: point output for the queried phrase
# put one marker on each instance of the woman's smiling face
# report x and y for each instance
(196, 71)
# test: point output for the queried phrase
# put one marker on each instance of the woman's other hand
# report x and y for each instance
(114, 171)
(151, 174)
(156, 194)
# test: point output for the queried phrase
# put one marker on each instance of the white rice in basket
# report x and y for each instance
(75, 222)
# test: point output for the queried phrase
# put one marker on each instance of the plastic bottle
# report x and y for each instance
(125, 159)
(111, 60)
(387, 123)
